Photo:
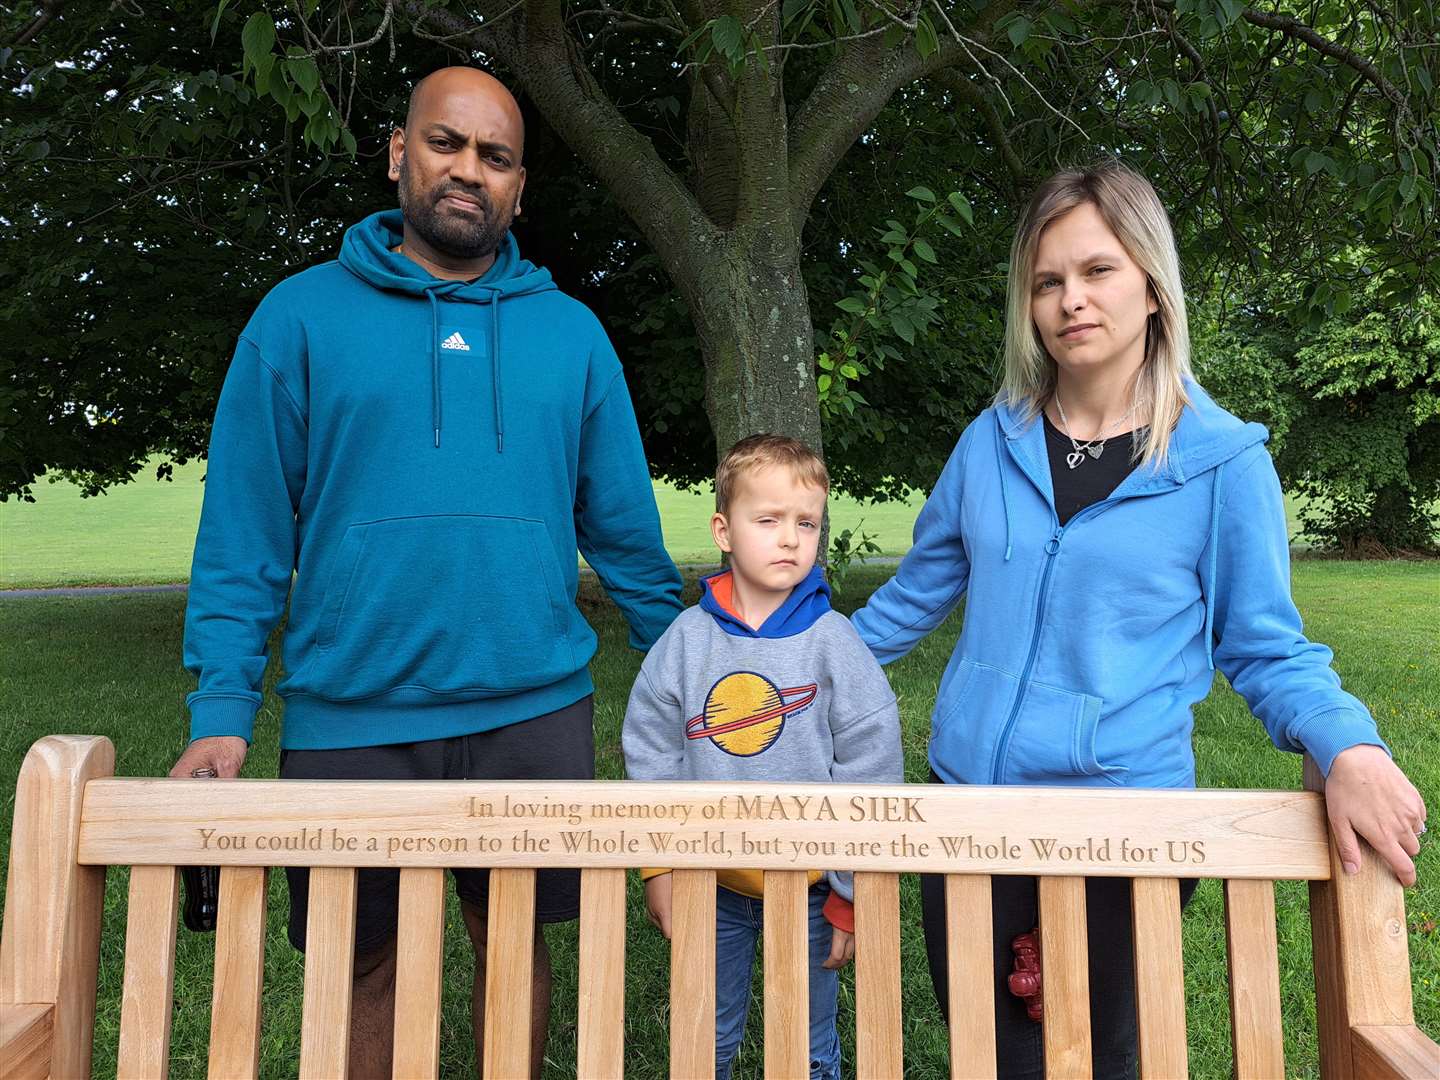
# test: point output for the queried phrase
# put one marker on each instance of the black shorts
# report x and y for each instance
(557, 746)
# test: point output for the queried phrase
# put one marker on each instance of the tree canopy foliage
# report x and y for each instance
(754, 196)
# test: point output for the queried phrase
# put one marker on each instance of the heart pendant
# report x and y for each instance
(1096, 449)
(1074, 458)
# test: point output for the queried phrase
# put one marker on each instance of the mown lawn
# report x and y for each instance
(143, 532)
(110, 666)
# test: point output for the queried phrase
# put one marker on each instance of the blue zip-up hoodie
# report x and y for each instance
(425, 456)
(1084, 647)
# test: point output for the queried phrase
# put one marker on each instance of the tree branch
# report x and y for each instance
(962, 87)
(48, 10)
(859, 82)
(1293, 28)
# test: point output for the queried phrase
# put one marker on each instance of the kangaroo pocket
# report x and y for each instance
(1049, 740)
(454, 604)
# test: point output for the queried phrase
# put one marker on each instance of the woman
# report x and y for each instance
(1119, 536)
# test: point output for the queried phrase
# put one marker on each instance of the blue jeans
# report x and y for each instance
(738, 922)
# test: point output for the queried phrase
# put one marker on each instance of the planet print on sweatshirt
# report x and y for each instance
(745, 712)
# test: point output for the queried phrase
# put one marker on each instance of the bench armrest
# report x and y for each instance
(1399, 1052)
(25, 1034)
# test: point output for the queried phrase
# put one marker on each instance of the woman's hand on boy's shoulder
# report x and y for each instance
(1367, 794)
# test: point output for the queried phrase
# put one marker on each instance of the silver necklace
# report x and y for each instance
(1094, 447)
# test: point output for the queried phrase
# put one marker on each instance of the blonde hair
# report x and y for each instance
(756, 452)
(1133, 212)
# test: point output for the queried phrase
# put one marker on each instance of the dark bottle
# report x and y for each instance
(202, 885)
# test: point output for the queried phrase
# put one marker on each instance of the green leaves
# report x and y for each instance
(293, 82)
(727, 35)
(893, 303)
(303, 73)
(257, 39)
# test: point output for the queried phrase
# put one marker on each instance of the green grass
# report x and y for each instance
(143, 533)
(110, 666)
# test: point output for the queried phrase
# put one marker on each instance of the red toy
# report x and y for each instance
(1025, 979)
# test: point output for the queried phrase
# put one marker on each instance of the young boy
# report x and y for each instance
(762, 681)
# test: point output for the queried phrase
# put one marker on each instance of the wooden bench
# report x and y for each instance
(72, 819)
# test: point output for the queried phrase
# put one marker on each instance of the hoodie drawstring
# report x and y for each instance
(495, 370)
(434, 364)
(1210, 570)
(1004, 489)
(446, 289)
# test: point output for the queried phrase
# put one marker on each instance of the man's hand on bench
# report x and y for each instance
(223, 753)
(1366, 793)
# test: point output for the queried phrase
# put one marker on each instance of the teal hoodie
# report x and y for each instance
(424, 456)
(1086, 645)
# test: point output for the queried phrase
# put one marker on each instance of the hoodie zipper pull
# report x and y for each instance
(1052, 546)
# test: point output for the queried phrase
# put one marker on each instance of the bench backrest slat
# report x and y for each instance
(1065, 961)
(878, 1046)
(787, 973)
(509, 973)
(970, 973)
(420, 949)
(1253, 955)
(1159, 978)
(239, 973)
(692, 974)
(329, 964)
(145, 1004)
(600, 1049)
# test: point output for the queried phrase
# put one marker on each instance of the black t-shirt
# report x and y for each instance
(1094, 478)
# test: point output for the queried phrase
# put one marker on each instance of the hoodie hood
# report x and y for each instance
(1205, 439)
(367, 252)
(807, 601)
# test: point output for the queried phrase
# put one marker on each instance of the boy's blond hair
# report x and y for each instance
(755, 452)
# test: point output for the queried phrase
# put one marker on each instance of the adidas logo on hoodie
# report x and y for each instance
(455, 341)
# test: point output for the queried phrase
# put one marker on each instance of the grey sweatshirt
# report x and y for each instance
(799, 700)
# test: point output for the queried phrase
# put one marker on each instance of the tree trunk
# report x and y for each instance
(752, 319)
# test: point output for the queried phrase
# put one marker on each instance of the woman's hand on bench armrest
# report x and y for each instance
(223, 753)
(657, 901)
(1366, 793)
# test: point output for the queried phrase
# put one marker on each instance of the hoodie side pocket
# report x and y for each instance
(461, 604)
(970, 713)
(1053, 740)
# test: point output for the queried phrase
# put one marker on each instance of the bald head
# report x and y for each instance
(457, 161)
(465, 92)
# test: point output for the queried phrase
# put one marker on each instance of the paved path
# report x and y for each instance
(89, 590)
(137, 590)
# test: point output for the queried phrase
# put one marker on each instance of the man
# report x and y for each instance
(422, 432)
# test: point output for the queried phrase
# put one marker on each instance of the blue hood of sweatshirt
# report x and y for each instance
(807, 601)
(367, 252)
(1085, 646)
